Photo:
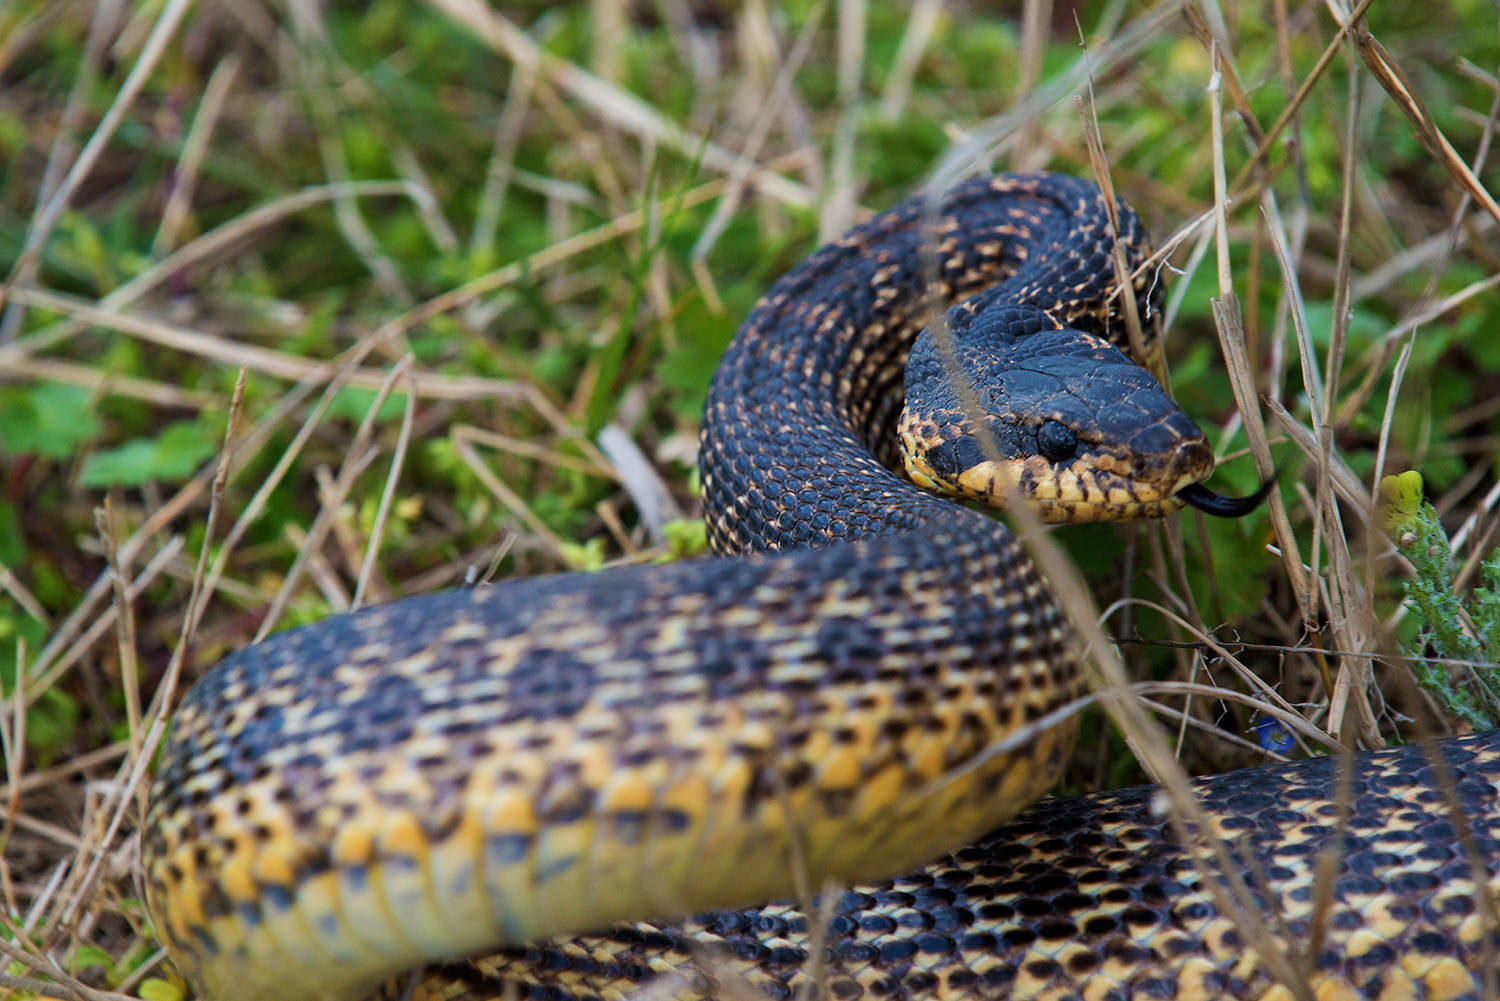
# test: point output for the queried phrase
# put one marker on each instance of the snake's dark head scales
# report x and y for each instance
(1014, 403)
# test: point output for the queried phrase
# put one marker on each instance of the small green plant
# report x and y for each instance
(1456, 648)
(171, 456)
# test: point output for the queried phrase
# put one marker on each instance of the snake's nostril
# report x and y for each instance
(1193, 459)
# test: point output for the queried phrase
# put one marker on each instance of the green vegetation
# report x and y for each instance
(444, 248)
(1463, 670)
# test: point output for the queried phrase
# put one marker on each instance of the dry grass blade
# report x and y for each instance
(47, 216)
(73, 639)
(836, 211)
(505, 495)
(1348, 486)
(914, 39)
(564, 250)
(651, 496)
(1241, 379)
(1389, 75)
(387, 495)
(1304, 90)
(92, 855)
(175, 212)
(13, 745)
(130, 678)
(501, 166)
(262, 360)
(199, 250)
(739, 174)
(613, 104)
(360, 454)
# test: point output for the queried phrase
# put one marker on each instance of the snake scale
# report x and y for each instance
(869, 677)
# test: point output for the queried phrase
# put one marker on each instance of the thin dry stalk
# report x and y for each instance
(512, 501)
(836, 211)
(1263, 149)
(359, 455)
(318, 89)
(216, 241)
(1206, 643)
(653, 500)
(1388, 74)
(387, 495)
(185, 181)
(37, 234)
(103, 383)
(760, 128)
(1149, 353)
(614, 105)
(345, 539)
(133, 770)
(1241, 374)
(914, 39)
(558, 253)
(1036, 27)
(21, 594)
(501, 166)
(130, 676)
(265, 361)
(13, 745)
(67, 645)
(594, 464)
(1398, 375)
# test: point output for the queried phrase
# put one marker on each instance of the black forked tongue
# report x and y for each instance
(1217, 504)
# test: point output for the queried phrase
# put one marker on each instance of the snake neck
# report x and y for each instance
(807, 395)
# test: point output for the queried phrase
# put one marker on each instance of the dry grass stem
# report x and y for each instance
(388, 494)
(23, 270)
(613, 104)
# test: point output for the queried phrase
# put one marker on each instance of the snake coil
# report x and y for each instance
(883, 679)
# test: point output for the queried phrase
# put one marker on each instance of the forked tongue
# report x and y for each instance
(1220, 506)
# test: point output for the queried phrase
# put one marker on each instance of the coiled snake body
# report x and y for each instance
(486, 768)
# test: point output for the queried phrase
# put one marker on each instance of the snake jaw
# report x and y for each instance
(1075, 493)
(1098, 484)
(1103, 487)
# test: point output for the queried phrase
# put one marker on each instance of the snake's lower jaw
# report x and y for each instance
(1059, 494)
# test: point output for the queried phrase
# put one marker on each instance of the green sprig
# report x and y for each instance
(1448, 632)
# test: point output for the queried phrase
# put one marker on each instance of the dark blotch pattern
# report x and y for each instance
(1042, 916)
(346, 752)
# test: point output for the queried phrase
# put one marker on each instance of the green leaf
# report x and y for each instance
(584, 556)
(12, 544)
(352, 403)
(86, 956)
(48, 419)
(173, 456)
(685, 537)
(157, 989)
(51, 723)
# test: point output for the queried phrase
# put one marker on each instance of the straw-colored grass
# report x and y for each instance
(308, 306)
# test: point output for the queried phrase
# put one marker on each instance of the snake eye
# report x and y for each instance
(1056, 442)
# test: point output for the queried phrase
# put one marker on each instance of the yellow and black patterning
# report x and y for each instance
(419, 781)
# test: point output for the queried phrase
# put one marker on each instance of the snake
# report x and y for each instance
(588, 786)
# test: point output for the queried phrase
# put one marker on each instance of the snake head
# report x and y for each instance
(1060, 417)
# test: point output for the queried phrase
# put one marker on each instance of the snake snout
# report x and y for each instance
(1170, 454)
